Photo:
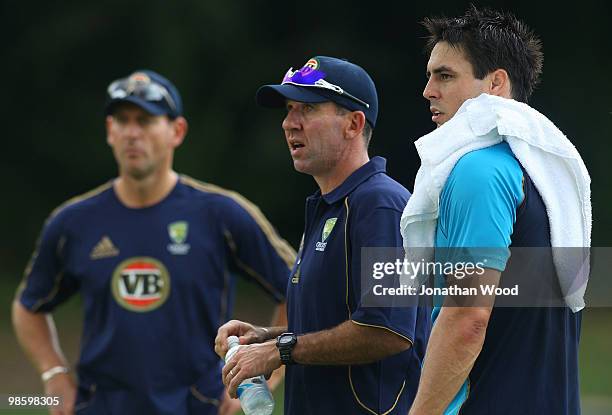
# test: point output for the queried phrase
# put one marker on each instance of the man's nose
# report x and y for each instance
(431, 91)
(291, 120)
(133, 129)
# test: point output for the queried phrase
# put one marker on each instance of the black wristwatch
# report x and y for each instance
(285, 344)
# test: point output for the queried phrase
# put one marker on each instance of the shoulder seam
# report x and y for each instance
(282, 247)
(76, 199)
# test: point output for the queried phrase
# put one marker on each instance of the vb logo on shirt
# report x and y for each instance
(140, 284)
(327, 230)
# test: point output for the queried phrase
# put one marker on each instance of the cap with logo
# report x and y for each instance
(322, 79)
(147, 89)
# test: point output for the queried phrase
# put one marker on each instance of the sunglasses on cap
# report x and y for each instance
(141, 87)
(309, 77)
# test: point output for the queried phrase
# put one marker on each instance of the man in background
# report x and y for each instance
(151, 253)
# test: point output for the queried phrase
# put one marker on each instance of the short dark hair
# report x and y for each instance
(492, 40)
(367, 128)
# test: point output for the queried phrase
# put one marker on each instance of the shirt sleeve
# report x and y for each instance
(378, 227)
(478, 208)
(257, 250)
(46, 282)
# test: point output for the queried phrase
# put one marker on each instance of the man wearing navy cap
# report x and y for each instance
(341, 356)
(151, 253)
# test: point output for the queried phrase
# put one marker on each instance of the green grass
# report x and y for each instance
(595, 356)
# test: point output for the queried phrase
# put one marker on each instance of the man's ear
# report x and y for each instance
(108, 123)
(181, 127)
(500, 84)
(356, 123)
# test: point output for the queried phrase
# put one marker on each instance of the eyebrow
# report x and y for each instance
(440, 69)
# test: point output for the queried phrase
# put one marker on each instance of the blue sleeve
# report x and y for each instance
(478, 207)
(376, 225)
(256, 249)
(46, 283)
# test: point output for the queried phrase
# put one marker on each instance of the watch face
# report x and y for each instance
(285, 340)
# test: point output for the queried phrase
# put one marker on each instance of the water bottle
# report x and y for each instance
(255, 397)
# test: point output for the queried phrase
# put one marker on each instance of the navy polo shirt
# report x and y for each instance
(324, 291)
(156, 284)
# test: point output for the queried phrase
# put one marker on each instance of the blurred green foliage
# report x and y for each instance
(58, 58)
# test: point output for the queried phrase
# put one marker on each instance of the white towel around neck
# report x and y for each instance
(550, 159)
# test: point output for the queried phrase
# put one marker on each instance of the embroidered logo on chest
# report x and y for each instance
(327, 230)
(178, 232)
(104, 249)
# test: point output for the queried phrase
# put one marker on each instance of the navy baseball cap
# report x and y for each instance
(322, 79)
(147, 89)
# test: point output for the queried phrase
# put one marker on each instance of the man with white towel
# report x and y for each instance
(497, 174)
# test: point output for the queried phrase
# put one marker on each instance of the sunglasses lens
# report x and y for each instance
(150, 92)
(117, 90)
(117, 94)
(305, 76)
(288, 75)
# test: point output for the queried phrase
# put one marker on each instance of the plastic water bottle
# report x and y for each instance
(255, 397)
